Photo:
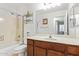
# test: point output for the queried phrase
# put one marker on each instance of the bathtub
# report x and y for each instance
(12, 49)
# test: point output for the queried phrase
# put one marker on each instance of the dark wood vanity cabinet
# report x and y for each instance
(40, 48)
(54, 53)
(73, 50)
(56, 49)
(48, 48)
(44, 48)
(39, 51)
(30, 48)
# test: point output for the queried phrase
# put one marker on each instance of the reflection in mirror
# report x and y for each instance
(59, 25)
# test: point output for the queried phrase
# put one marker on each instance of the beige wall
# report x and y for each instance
(7, 28)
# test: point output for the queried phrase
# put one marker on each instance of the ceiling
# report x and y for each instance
(22, 8)
(64, 6)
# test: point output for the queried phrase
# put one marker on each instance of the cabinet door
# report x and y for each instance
(29, 50)
(39, 51)
(73, 50)
(54, 53)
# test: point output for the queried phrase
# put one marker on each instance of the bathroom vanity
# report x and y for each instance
(51, 47)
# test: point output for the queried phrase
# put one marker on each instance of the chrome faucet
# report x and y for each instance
(50, 36)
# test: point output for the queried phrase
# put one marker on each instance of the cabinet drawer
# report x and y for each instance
(54, 53)
(41, 44)
(74, 50)
(57, 47)
(29, 41)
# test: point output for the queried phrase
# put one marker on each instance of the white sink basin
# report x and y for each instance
(56, 38)
(40, 37)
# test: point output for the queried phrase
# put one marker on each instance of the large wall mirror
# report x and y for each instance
(57, 20)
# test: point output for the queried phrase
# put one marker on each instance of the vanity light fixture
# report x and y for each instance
(50, 5)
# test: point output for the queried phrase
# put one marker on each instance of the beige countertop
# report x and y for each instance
(57, 39)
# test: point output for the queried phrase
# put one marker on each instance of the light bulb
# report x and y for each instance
(1, 19)
(50, 5)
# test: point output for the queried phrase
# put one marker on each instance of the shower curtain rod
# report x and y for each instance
(12, 13)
